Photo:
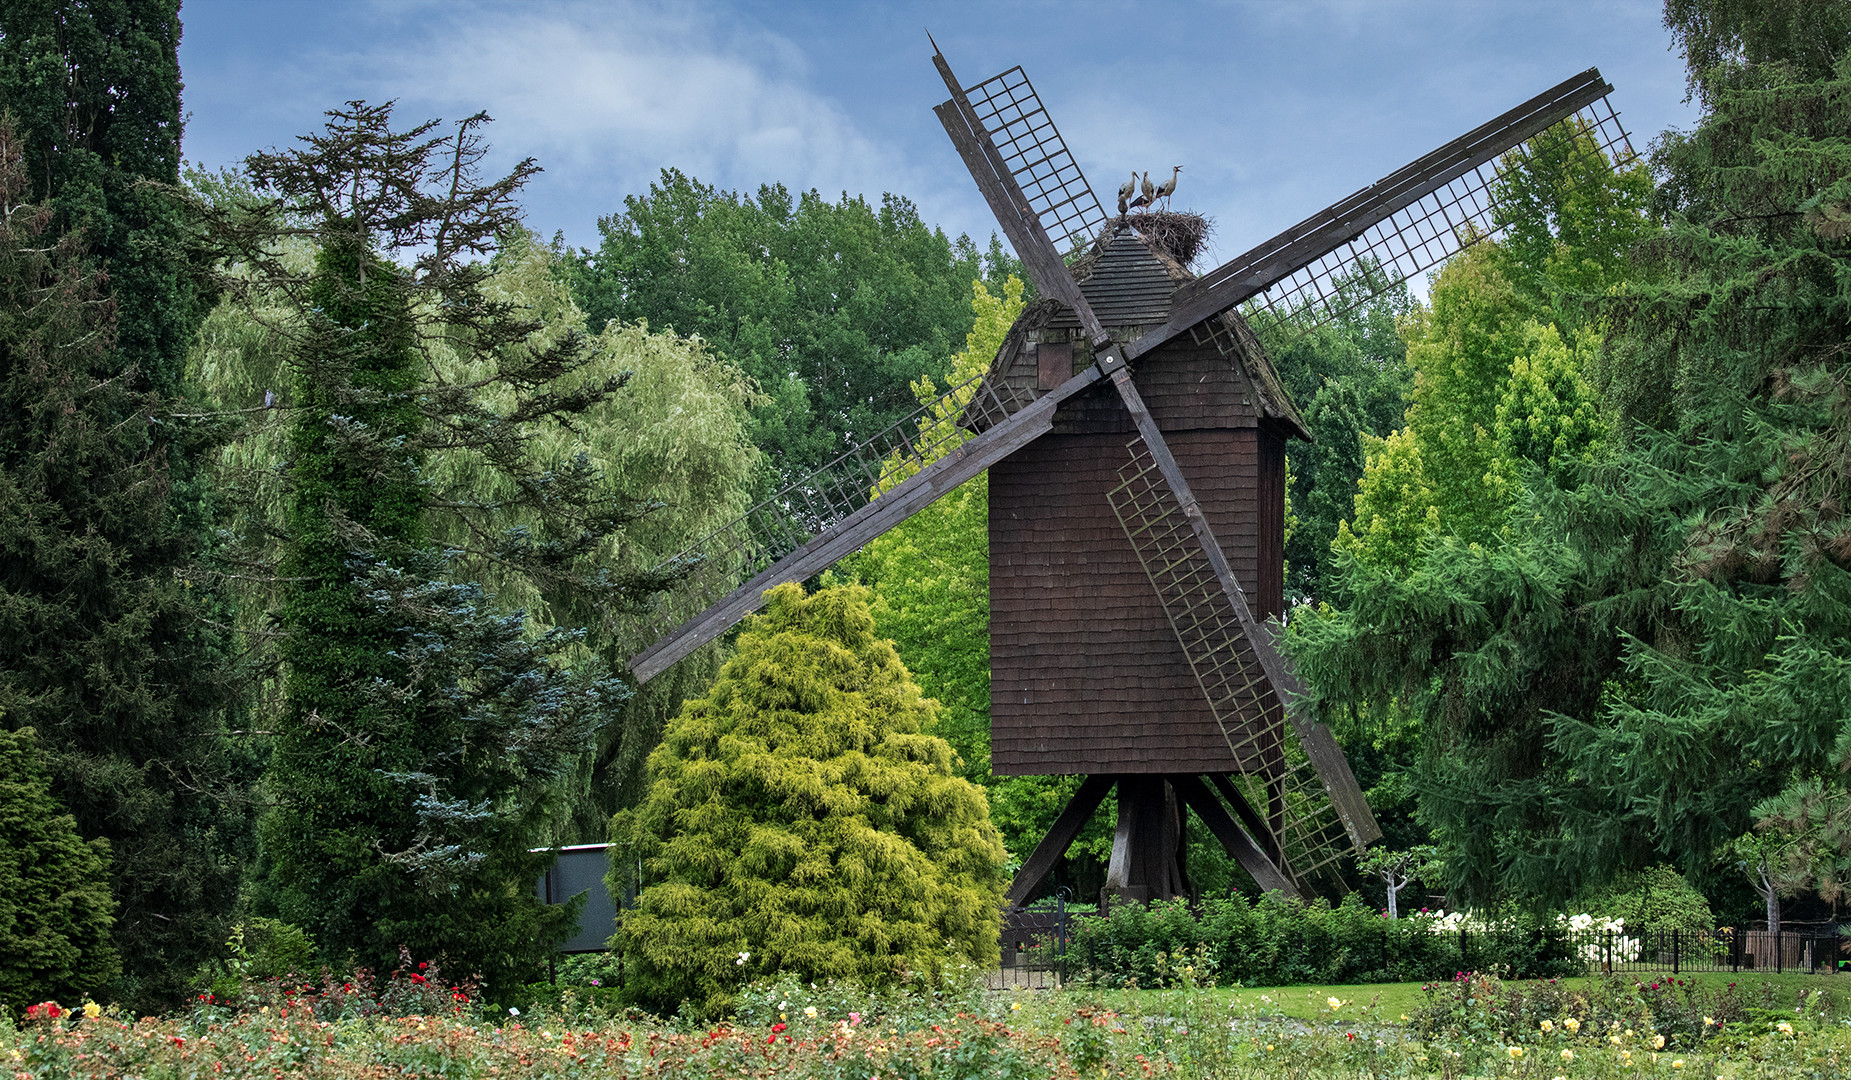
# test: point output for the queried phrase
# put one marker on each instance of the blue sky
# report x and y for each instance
(1274, 109)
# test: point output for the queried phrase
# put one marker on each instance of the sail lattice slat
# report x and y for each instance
(1036, 155)
(1462, 212)
(721, 561)
(1278, 776)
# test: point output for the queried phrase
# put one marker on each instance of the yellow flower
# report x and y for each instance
(1658, 1042)
(1784, 1028)
(1547, 1025)
(1015, 1006)
(810, 1011)
(1707, 1021)
(1515, 1052)
(92, 1010)
(1678, 1064)
(1568, 1055)
(1269, 1046)
(1573, 1025)
(1334, 1004)
(1614, 1039)
(1629, 1033)
(1627, 1054)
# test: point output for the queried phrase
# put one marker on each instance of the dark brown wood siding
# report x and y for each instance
(1086, 674)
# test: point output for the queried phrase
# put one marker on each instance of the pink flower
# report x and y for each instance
(854, 1019)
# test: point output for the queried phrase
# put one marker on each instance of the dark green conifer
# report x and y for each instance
(104, 646)
(422, 731)
(54, 889)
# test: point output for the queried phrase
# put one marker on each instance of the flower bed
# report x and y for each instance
(1471, 1026)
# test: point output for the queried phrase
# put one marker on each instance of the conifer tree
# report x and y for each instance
(54, 891)
(104, 644)
(423, 733)
(799, 820)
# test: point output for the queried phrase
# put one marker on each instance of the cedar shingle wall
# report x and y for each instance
(1086, 674)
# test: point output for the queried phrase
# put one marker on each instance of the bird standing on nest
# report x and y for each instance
(1168, 187)
(1150, 190)
(1126, 190)
(1143, 199)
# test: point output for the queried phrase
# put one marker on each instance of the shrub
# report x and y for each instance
(799, 821)
(55, 907)
(1656, 898)
(259, 949)
(1274, 941)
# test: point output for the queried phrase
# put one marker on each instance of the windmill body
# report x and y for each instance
(1135, 433)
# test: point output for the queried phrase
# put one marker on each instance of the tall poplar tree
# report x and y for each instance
(104, 648)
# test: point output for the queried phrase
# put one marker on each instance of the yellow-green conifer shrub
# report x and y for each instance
(798, 820)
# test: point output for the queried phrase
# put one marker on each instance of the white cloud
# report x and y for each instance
(606, 96)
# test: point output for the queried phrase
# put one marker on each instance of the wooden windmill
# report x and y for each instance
(1135, 431)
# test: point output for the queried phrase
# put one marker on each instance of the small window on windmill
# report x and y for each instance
(1055, 359)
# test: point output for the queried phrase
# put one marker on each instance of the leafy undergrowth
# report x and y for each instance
(1472, 1026)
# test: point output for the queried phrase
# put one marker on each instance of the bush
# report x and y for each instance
(55, 907)
(1656, 898)
(1275, 941)
(259, 949)
(799, 821)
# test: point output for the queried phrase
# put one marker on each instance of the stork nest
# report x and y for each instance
(1176, 234)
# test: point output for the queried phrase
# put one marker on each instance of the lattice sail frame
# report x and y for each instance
(1036, 155)
(805, 508)
(1412, 241)
(1308, 832)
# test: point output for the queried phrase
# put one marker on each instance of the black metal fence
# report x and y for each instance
(1034, 948)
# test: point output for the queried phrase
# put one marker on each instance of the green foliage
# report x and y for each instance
(55, 907)
(1654, 898)
(1273, 941)
(423, 735)
(673, 440)
(94, 89)
(833, 308)
(930, 578)
(258, 950)
(1350, 379)
(800, 820)
(105, 648)
(1627, 668)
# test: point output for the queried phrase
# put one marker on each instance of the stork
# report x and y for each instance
(1168, 187)
(1148, 190)
(1126, 190)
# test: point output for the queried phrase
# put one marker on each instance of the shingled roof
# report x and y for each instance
(1131, 287)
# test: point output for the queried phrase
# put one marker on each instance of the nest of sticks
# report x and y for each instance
(1176, 234)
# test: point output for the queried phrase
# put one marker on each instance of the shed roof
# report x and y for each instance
(1131, 286)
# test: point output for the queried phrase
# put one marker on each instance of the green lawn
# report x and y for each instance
(1391, 1001)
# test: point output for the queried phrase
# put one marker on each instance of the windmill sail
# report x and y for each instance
(1408, 222)
(815, 521)
(1035, 155)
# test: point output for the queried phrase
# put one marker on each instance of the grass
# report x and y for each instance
(1390, 1001)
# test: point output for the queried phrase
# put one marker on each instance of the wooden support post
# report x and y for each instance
(1251, 856)
(1059, 838)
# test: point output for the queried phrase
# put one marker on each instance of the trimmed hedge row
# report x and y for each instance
(1273, 941)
